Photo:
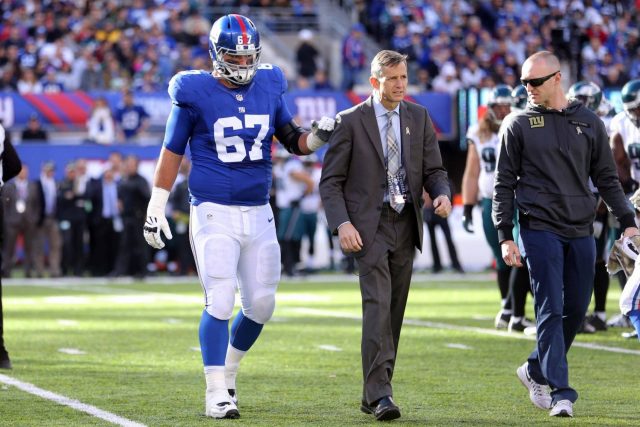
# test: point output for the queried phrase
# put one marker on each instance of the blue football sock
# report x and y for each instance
(634, 316)
(214, 339)
(244, 332)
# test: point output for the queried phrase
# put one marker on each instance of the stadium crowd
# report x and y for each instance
(50, 46)
(458, 44)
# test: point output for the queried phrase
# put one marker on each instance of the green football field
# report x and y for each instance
(117, 353)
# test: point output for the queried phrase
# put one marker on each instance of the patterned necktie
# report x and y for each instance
(393, 165)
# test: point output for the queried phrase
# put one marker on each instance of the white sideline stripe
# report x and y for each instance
(72, 403)
(458, 346)
(439, 325)
(329, 347)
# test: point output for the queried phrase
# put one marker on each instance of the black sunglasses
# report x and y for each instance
(539, 81)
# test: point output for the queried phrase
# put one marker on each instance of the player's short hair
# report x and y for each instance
(386, 58)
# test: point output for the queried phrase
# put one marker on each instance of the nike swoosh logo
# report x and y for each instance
(270, 219)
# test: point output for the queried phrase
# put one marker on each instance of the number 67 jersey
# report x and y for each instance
(229, 132)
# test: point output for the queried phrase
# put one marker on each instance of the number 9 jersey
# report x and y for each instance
(229, 132)
(630, 135)
(487, 153)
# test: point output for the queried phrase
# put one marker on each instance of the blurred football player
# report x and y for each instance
(482, 140)
(519, 98)
(625, 143)
(477, 180)
(228, 118)
(592, 97)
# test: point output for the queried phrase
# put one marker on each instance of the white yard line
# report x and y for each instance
(448, 326)
(72, 403)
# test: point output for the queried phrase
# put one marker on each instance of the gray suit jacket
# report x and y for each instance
(354, 174)
(9, 199)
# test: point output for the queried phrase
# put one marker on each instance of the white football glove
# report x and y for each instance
(320, 133)
(635, 199)
(156, 221)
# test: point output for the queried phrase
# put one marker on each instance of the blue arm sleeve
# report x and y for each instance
(179, 128)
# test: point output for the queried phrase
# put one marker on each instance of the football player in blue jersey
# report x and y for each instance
(228, 118)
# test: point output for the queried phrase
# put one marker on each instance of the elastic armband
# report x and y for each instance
(288, 135)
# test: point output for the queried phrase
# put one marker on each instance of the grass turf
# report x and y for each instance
(141, 361)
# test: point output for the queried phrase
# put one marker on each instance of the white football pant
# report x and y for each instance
(236, 246)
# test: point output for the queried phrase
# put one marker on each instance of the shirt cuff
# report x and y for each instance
(346, 222)
(505, 234)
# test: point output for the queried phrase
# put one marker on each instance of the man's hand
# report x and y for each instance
(511, 254)
(442, 206)
(156, 221)
(320, 132)
(630, 232)
(350, 240)
(467, 218)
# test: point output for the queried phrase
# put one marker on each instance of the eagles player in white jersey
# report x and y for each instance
(228, 119)
(625, 143)
(625, 137)
(477, 184)
(592, 97)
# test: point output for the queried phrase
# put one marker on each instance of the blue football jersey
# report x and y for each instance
(229, 132)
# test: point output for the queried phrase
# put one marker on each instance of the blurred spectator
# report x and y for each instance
(71, 214)
(181, 210)
(432, 220)
(615, 77)
(117, 165)
(447, 81)
(292, 182)
(21, 208)
(353, 58)
(133, 196)
(34, 131)
(594, 51)
(307, 56)
(424, 80)
(591, 73)
(132, 120)
(100, 124)
(47, 232)
(310, 205)
(104, 222)
(472, 75)
(92, 77)
(50, 82)
(321, 80)
(28, 82)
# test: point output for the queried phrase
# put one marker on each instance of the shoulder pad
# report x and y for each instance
(185, 87)
(271, 76)
(472, 132)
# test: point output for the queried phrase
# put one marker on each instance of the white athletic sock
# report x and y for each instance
(515, 319)
(214, 377)
(601, 314)
(231, 364)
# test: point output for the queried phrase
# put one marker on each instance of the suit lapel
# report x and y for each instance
(406, 123)
(371, 127)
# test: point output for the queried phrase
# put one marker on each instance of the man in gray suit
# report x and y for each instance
(21, 202)
(381, 155)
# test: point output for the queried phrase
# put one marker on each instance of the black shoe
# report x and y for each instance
(5, 362)
(586, 327)
(458, 269)
(366, 408)
(386, 410)
(595, 321)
